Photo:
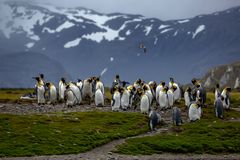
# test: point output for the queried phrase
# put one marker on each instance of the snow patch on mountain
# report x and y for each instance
(30, 45)
(147, 30)
(128, 32)
(166, 30)
(162, 26)
(198, 30)
(21, 20)
(184, 21)
(65, 25)
(73, 43)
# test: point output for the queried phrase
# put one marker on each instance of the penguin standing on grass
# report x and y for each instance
(177, 92)
(116, 99)
(176, 116)
(40, 91)
(87, 90)
(62, 88)
(76, 92)
(144, 103)
(188, 97)
(132, 92)
(125, 99)
(52, 93)
(217, 92)
(69, 97)
(170, 94)
(158, 89)
(226, 95)
(154, 120)
(99, 93)
(194, 113)
(163, 98)
(219, 107)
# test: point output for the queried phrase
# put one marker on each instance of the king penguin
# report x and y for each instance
(125, 104)
(194, 112)
(144, 103)
(52, 93)
(62, 88)
(158, 89)
(116, 99)
(163, 98)
(217, 92)
(176, 116)
(219, 107)
(226, 95)
(188, 97)
(69, 96)
(40, 91)
(76, 92)
(87, 90)
(99, 93)
(154, 119)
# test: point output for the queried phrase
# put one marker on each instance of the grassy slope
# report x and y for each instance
(209, 135)
(65, 133)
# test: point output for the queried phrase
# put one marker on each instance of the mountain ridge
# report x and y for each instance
(83, 41)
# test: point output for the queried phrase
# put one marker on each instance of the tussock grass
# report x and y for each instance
(61, 133)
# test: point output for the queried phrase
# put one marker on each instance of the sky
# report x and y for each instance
(162, 9)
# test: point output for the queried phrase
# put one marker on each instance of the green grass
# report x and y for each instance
(209, 135)
(13, 95)
(65, 133)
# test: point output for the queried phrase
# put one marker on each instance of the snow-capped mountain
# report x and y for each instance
(85, 42)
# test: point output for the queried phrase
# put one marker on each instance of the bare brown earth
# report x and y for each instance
(104, 152)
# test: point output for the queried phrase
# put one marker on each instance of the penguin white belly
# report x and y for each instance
(163, 102)
(87, 90)
(62, 89)
(125, 99)
(187, 99)
(150, 96)
(144, 104)
(100, 86)
(216, 94)
(158, 89)
(71, 99)
(116, 102)
(225, 105)
(99, 100)
(53, 94)
(177, 94)
(193, 113)
(76, 93)
(40, 92)
(170, 98)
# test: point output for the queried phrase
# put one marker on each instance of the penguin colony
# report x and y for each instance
(140, 94)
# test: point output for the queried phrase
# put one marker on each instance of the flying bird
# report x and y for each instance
(142, 46)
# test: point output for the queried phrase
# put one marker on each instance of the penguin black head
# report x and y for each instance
(89, 80)
(194, 81)
(145, 87)
(134, 89)
(79, 80)
(138, 81)
(189, 89)
(171, 79)
(97, 79)
(217, 85)
(124, 83)
(166, 88)
(117, 76)
(229, 89)
(41, 76)
(48, 84)
(163, 83)
(198, 85)
(37, 78)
